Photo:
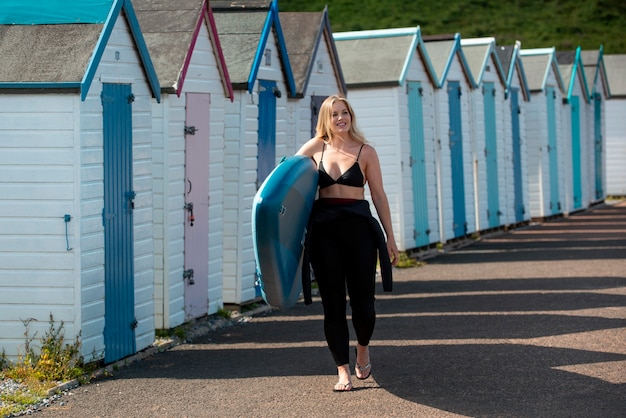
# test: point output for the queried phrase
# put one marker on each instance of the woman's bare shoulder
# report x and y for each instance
(310, 147)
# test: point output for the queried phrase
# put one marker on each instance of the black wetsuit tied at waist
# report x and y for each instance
(324, 212)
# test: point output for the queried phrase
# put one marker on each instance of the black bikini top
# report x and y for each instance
(352, 177)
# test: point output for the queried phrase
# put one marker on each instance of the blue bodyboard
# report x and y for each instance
(280, 214)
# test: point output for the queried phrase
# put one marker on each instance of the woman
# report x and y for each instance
(343, 237)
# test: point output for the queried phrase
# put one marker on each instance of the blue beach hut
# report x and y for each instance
(546, 157)
(76, 234)
(391, 83)
(455, 172)
(517, 95)
(256, 127)
(577, 141)
(490, 150)
(599, 93)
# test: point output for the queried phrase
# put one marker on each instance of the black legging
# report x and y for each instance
(344, 255)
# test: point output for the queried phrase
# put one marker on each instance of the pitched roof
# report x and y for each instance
(616, 74)
(380, 57)
(304, 33)
(171, 30)
(477, 52)
(538, 63)
(64, 56)
(244, 27)
(442, 49)
(595, 69)
(571, 67)
(509, 56)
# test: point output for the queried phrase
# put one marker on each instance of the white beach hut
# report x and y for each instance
(491, 150)
(517, 95)
(76, 188)
(543, 133)
(317, 72)
(391, 85)
(615, 125)
(452, 103)
(256, 127)
(188, 150)
(578, 145)
(599, 91)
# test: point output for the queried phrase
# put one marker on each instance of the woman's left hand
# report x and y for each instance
(394, 254)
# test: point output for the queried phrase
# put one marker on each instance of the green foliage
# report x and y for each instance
(564, 24)
(40, 370)
(404, 261)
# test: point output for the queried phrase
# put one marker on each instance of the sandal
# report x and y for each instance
(342, 387)
(362, 369)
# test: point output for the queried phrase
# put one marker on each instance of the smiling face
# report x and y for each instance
(341, 118)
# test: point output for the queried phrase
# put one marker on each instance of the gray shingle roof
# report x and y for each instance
(301, 31)
(168, 28)
(46, 53)
(374, 61)
(536, 67)
(616, 74)
(240, 34)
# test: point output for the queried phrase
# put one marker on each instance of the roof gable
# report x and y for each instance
(381, 57)
(442, 50)
(595, 71)
(171, 30)
(616, 76)
(66, 66)
(572, 69)
(511, 62)
(478, 53)
(244, 28)
(304, 33)
(538, 64)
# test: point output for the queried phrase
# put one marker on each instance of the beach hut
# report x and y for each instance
(316, 70)
(452, 102)
(615, 125)
(578, 144)
(517, 95)
(188, 150)
(543, 127)
(599, 91)
(491, 154)
(391, 85)
(76, 232)
(255, 128)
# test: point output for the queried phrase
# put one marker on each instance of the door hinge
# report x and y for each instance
(190, 130)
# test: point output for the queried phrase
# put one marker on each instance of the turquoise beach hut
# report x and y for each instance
(76, 234)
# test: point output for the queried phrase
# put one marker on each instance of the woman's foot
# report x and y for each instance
(345, 383)
(363, 367)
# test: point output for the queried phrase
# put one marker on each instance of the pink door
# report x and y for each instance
(196, 273)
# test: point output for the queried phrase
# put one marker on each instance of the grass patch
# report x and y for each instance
(38, 371)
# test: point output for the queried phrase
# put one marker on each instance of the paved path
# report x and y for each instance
(527, 323)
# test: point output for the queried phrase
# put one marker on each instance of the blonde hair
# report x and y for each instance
(323, 129)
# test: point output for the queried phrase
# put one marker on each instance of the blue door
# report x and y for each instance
(576, 165)
(418, 164)
(491, 155)
(597, 135)
(267, 130)
(459, 222)
(517, 157)
(117, 217)
(555, 204)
